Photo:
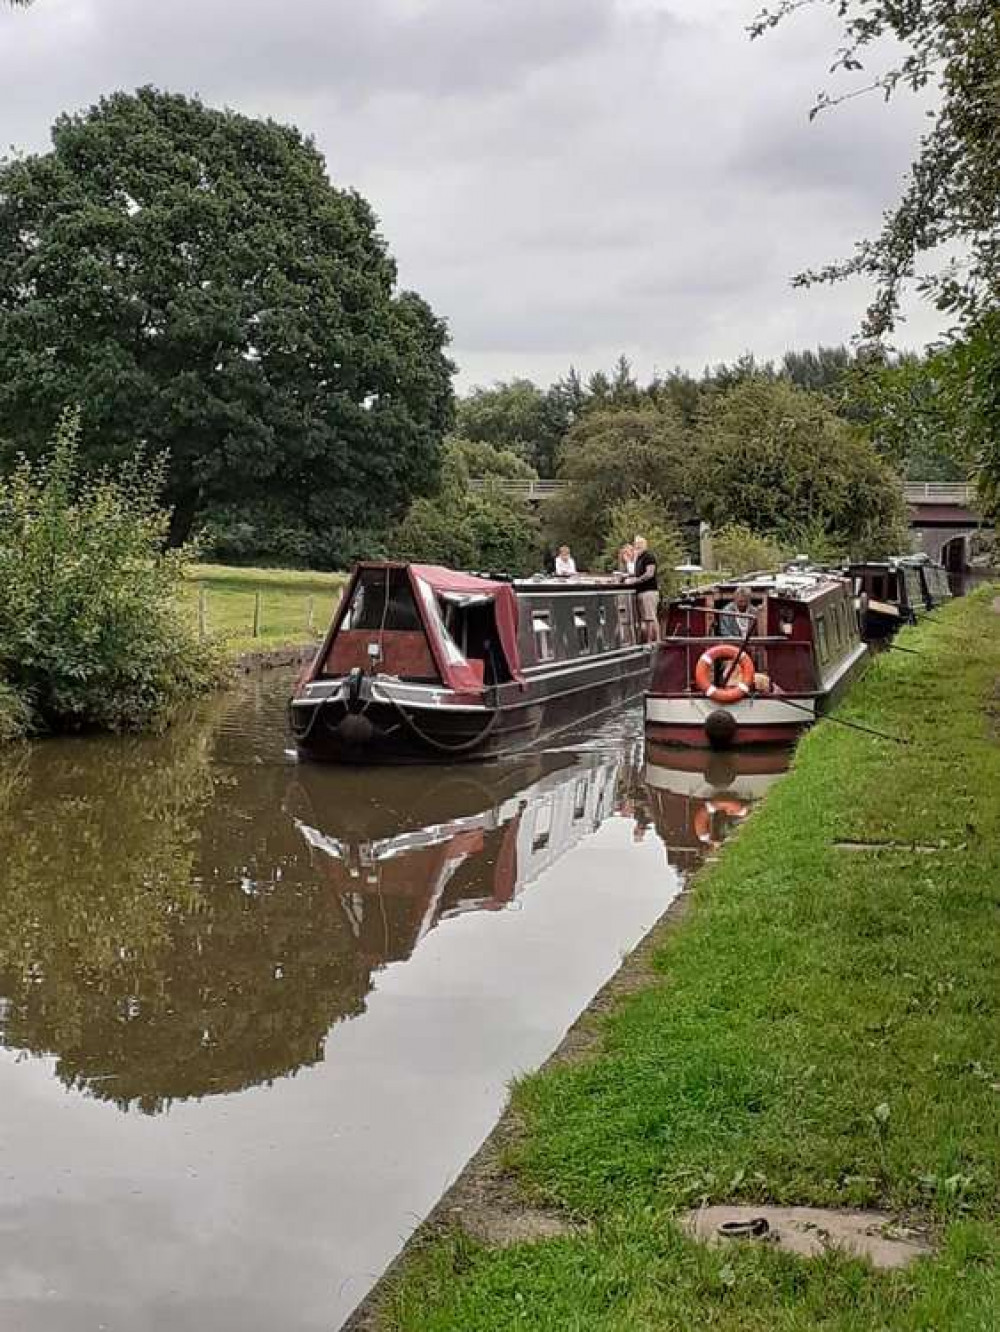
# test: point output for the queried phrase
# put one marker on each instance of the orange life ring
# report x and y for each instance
(704, 674)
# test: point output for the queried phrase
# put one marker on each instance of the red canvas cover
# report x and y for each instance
(460, 675)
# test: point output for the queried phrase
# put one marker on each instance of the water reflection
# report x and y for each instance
(180, 918)
(282, 957)
(699, 797)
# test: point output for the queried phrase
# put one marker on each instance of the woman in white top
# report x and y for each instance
(565, 563)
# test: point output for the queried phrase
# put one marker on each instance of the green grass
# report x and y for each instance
(827, 1032)
(286, 596)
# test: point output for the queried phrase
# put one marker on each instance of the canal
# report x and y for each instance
(255, 1016)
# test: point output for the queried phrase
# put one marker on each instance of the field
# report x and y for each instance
(291, 606)
(825, 1029)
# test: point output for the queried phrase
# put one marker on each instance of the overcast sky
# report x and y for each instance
(564, 180)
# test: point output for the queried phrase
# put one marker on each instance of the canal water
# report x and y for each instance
(255, 1016)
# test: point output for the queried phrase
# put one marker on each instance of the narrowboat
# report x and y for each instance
(424, 664)
(722, 678)
(894, 592)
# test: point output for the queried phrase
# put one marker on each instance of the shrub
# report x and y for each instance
(15, 715)
(92, 629)
(738, 549)
(645, 515)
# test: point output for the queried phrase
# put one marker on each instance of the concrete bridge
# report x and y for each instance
(942, 513)
(943, 518)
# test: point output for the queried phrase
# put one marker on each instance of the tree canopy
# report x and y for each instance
(778, 460)
(192, 279)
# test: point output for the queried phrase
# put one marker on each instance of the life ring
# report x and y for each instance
(704, 674)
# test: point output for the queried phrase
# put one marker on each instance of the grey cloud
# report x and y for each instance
(563, 179)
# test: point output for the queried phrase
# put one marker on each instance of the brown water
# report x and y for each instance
(255, 1016)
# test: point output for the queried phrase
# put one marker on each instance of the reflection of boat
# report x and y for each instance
(725, 678)
(396, 886)
(696, 806)
(894, 592)
(422, 664)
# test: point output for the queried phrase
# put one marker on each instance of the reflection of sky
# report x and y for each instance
(275, 1208)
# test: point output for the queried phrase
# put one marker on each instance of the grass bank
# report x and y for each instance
(289, 606)
(825, 1030)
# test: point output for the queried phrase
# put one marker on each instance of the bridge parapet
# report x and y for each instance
(959, 493)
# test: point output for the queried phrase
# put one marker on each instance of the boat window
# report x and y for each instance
(878, 587)
(822, 645)
(625, 624)
(383, 599)
(580, 798)
(542, 830)
(582, 629)
(541, 623)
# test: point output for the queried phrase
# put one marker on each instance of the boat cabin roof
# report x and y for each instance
(805, 585)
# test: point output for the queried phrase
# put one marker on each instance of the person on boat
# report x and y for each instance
(626, 560)
(731, 625)
(565, 563)
(647, 589)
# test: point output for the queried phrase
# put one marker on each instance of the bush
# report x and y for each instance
(92, 631)
(15, 715)
(738, 549)
(645, 515)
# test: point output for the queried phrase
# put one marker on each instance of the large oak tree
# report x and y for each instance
(191, 278)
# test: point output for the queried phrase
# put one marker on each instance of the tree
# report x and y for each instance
(739, 550)
(484, 530)
(515, 416)
(486, 460)
(950, 197)
(612, 455)
(779, 461)
(910, 417)
(645, 515)
(192, 279)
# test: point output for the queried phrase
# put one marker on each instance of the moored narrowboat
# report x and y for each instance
(725, 677)
(895, 592)
(422, 663)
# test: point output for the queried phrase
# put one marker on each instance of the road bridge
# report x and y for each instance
(942, 513)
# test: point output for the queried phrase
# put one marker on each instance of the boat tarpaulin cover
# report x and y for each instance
(457, 674)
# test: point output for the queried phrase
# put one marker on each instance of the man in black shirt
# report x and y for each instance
(647, 590)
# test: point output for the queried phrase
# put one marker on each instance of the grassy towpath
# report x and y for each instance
(295, 605)
(826, 1030)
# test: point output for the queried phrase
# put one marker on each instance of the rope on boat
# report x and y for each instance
(841, 721)
(463, 748)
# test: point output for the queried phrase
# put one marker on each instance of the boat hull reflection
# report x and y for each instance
(698, 799)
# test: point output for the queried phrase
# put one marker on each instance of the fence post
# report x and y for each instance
(202, 601)
(311, 617)
(256, 614)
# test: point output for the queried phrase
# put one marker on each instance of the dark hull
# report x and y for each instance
(380, 732)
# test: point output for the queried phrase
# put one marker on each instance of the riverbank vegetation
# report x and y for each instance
(92, 630)
(823, 1029)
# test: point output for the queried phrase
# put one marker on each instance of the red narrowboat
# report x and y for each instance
(729, 675)
(423, 664)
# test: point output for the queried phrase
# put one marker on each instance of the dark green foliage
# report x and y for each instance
(92, 631)
(488, 460)
(778, 460)
(645, 515)
(483, 530)
(613, 454)
(191, 277)
(517, 417)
